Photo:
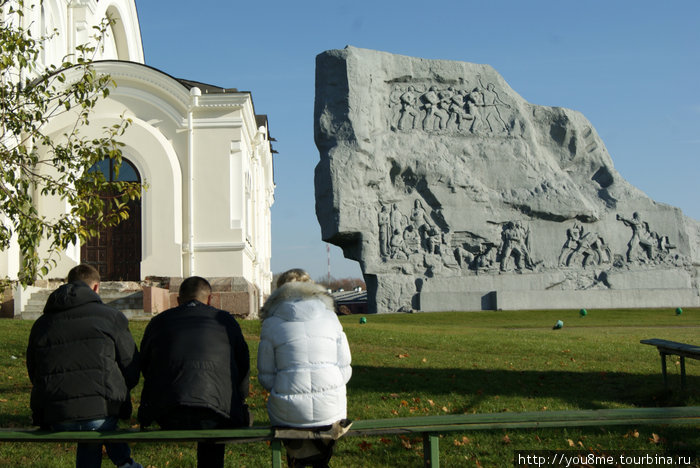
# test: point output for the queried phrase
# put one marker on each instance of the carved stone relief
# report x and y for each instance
(583, 249)
(417, 243)
(645, 245)
(403, 237)
(477, 110)
(515, 243)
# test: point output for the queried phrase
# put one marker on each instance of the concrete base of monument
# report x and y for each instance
(531, 300)
(614, 288)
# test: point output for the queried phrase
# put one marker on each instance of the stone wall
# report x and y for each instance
(232, 294)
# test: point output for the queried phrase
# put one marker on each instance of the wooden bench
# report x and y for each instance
(429, 426)
(683, 350)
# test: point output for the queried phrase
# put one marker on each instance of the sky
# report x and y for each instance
(631, 67)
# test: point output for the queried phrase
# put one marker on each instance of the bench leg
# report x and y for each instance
(276, 449)
(431, 450)
(663, 369)
(682, 371)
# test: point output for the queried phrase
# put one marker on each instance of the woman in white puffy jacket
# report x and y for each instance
(304, 357)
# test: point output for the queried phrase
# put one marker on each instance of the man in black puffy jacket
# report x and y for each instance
(195, 365)
(82, 362)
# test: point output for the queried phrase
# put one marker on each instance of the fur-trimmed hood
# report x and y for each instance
(296, 291)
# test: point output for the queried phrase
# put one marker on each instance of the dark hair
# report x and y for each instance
(194, 287)
(85, 273)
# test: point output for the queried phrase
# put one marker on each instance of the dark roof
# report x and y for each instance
(349, 297)
(207, 88)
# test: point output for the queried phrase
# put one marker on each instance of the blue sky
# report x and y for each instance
(631, 67)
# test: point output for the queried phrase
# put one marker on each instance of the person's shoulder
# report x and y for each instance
(108, 312)
(164, 317)
(227, 318)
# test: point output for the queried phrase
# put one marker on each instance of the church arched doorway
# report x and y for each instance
(116, 251)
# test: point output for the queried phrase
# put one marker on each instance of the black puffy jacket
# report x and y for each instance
(193, 355)
(81, 359)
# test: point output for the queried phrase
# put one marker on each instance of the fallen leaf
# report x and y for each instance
(506, 439)
(571, 443)
(465, 440)
(364, 445)
(404, 403)
(432, 403)
(444, 408)
(401, 356)
(406, 443)
(394, 412)
(424, 360)
(394, 395)
(655, 439)
(384, 440)
(3, 400)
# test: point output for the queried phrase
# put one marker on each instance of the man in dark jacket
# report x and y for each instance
(82, 362)
(195, 365)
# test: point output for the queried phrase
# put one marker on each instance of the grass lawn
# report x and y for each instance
(442, 363)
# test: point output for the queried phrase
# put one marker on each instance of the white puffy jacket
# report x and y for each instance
(304, 357)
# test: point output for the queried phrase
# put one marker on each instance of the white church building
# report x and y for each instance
(204, 154)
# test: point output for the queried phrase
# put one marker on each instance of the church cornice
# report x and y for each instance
(150, 84)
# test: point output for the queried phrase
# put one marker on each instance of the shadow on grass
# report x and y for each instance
(580, 389)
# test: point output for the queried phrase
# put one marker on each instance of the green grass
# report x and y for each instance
(410, 365)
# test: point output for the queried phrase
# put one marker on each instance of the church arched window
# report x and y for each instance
(126, 173)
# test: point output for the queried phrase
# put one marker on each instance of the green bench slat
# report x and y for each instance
(420, 424)
(134, 435)
(674, 347)
(533, 419)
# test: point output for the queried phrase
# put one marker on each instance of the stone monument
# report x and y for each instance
(454, 193)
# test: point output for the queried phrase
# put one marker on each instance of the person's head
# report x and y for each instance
(194, 288)
(295, 274)
(85, 273)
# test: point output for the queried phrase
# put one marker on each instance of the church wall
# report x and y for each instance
(9, 261)
(232, 160)
(75, 22)
(214, 187)
(161, 206)
(125, 32)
